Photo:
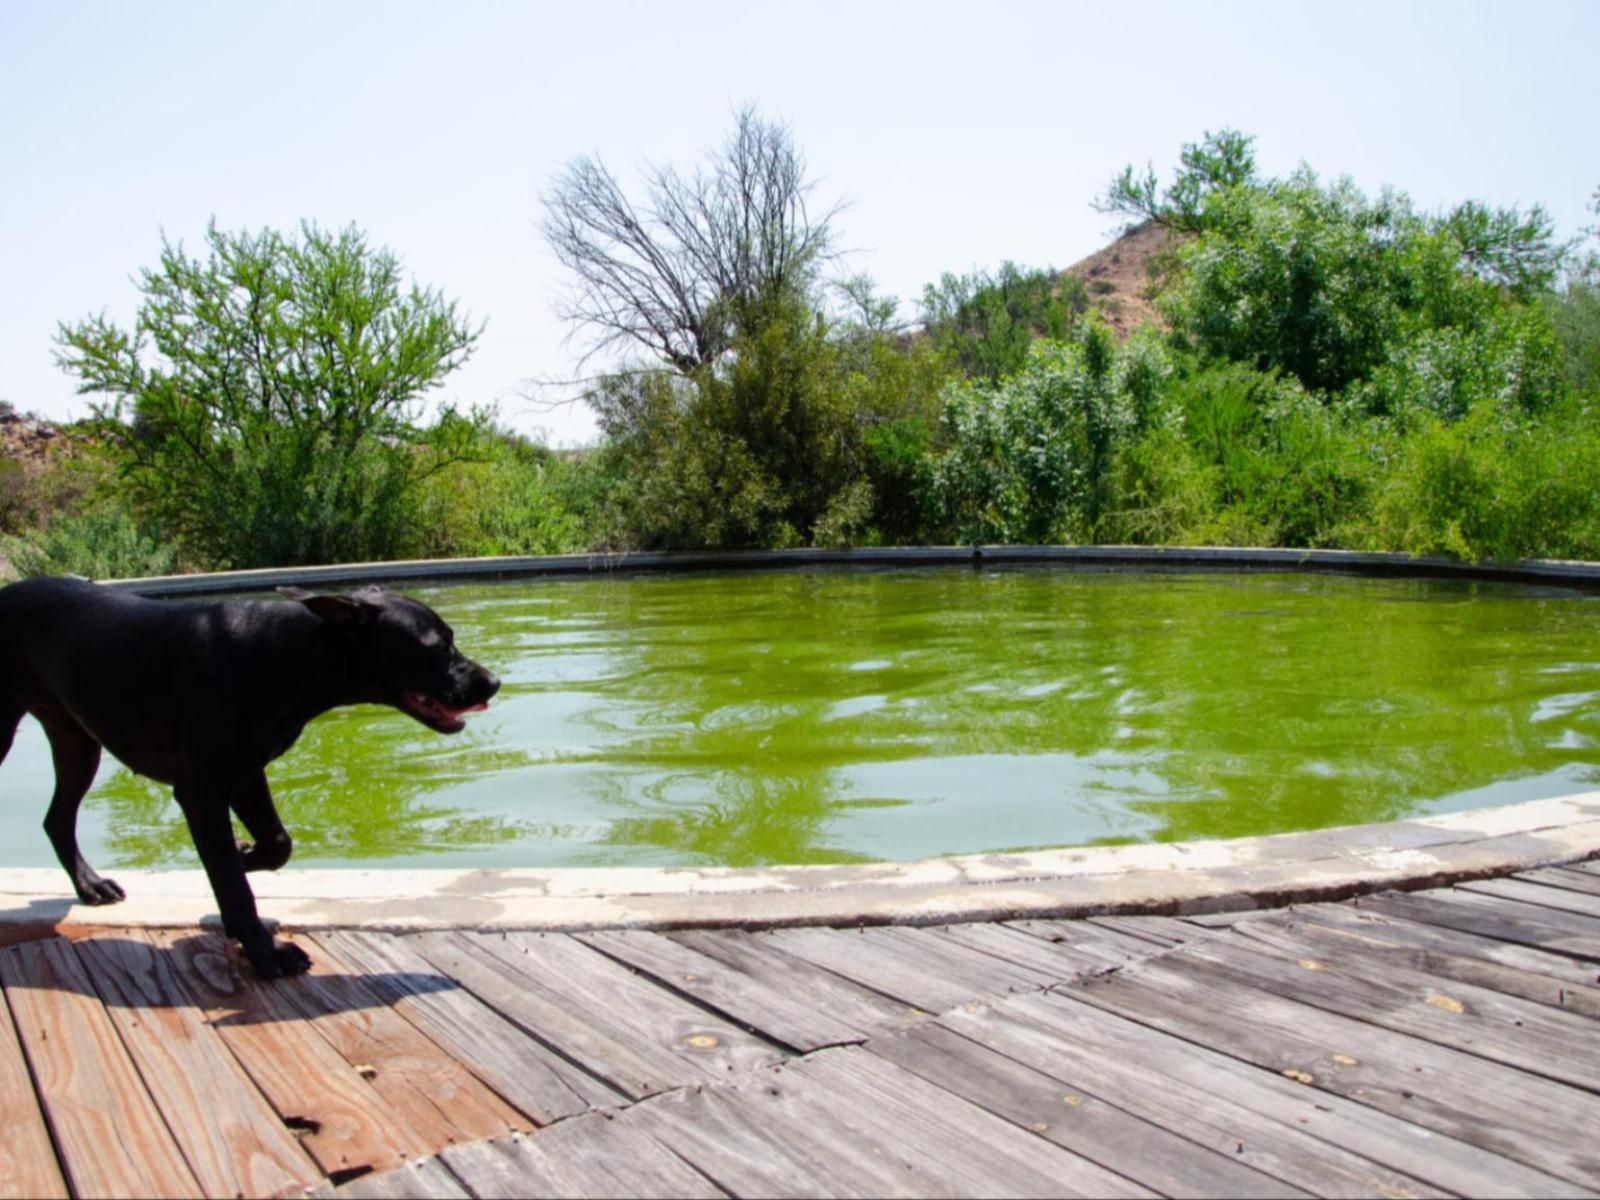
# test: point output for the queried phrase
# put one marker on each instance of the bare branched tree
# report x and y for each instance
(674, 274)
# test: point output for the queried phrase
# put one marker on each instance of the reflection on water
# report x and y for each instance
(833, 716)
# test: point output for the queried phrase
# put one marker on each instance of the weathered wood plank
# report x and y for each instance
(526, 1073)
(341, 1119)
(1350, 939)
(229, 1135)
(422, 1179)
(1074, 1120)
(1098, 946)
(1320, 1143)
(633, 1036)
(590, 1156)
(1049, 960)
(1443, 1089)
(1520, 1033)
(112, 1139)
(1563, 877)
(757, 956)
(1163, 931)
(760, 1137)
(430, 1091)
(1389, 926)
(1507, 920)
(28, 1167)
(970, 1149)
(1562, 899)
(781, 1016)
(915, 970)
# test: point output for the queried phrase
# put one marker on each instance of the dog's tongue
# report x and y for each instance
(456, 712)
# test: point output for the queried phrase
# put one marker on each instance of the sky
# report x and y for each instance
(959, 135)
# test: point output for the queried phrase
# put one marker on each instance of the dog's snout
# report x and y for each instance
(491, 683)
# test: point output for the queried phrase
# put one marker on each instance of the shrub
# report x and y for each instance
(102, 542)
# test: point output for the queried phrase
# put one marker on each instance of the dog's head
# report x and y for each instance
(408, 653)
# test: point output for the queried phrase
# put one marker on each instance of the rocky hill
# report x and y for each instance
(1121, 277)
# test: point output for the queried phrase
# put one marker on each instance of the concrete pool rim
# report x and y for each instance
(1161, 878)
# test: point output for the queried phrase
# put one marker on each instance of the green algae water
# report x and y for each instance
(849, 715)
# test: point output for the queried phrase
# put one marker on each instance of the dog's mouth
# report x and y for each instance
(436, 714)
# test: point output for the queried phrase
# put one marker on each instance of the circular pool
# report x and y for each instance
(836, 715)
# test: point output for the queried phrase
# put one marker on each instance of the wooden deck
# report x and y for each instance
(1430, 1043)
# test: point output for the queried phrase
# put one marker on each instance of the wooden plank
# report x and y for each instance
(590, 1016)
(1389, 927)
(1562, 877)
(593, 1155)
(1346, 938)
(607, 992)
(971, 1151)
(916, 970)
(1074, 1120)
(112, 1139)
(1320, 1143)
(1508, 1112)
(422, 1179)
(761, 1137)
(341, 1119)
(1163, 931)
(1523, 1034)
(1049, 960)
(526, 1073)
(1562, 899)
(28, 1166)
(1590, 866)
(431, 1092)
(781, 1016)
(758, 957)
(1507, 920)
(1097, 944)
(229, 1135)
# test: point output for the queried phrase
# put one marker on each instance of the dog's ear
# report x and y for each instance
(335, 610)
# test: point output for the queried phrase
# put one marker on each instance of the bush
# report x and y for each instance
(1030, 459)
(1495, 485)
(505, 502)
(102, 542)
(985, 323)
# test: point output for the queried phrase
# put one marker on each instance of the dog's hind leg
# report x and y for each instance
(252, 802)
(77, 758)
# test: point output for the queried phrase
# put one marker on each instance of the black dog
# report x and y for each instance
(203, 697)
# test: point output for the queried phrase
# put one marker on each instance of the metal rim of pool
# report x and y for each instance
(1162, 878)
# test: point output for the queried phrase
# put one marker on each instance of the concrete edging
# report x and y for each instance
(1160, 878)
(1211, 558)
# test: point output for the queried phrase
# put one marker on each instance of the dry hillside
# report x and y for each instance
(1121, 277)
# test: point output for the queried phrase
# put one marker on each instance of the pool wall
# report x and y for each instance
(1555, 572)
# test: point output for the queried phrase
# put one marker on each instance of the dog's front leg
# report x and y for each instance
(252, 801)
(206, 810)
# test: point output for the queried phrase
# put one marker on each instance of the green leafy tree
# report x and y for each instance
(1219, 163)
(264, 406)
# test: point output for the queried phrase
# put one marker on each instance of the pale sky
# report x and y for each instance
(961, 134)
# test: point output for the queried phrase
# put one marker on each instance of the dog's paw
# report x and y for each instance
(98, 890)
(285, 959)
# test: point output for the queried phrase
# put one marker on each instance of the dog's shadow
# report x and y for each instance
(203, 971)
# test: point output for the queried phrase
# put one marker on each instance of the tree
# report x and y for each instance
(1223, 160)
(274, 421)
(700, 257)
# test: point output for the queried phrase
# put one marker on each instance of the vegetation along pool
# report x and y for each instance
(839, 715)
